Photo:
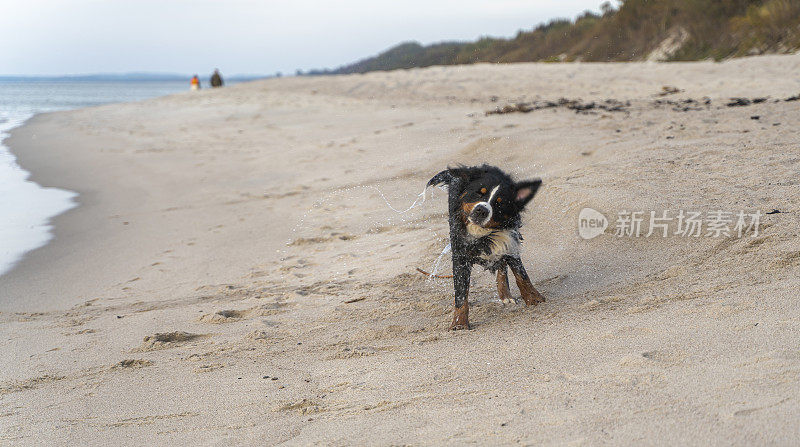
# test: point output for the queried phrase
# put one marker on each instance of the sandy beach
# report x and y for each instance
(237, 272)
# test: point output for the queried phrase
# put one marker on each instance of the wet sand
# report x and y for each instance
(233, 274)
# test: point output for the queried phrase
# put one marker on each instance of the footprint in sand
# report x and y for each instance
(224, 316)
(259, 336)
(318, 240)
(132, 364)
(166, 340)
(303, 406)
(29, 384)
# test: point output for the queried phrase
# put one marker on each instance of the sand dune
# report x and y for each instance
(236, 273)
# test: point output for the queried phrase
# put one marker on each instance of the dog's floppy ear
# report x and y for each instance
(447, 176)
(442, 177)
(525, 192)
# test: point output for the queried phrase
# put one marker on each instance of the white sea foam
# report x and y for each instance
(25, 207)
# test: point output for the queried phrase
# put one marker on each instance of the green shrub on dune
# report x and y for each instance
(639, 29)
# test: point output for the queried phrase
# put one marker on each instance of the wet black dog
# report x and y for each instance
(485, 206)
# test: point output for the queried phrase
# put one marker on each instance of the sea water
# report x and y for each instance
(26, 208)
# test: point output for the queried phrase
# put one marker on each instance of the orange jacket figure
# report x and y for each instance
(195, 83)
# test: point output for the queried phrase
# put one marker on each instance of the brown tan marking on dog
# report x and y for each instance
(529, 294)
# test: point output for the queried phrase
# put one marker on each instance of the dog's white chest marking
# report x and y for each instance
(501, 242)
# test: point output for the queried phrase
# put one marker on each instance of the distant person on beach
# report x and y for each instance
(216, 79)
(195, 83)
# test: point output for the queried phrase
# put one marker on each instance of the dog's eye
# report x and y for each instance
(499, 199)
(483, 190)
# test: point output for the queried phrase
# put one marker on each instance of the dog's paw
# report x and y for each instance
(507, 298)
(533, 299)
(460, 318)
(459, 326)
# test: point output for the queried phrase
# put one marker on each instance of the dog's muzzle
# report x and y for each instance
(481, 213)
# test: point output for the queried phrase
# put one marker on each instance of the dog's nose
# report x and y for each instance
(479, 213)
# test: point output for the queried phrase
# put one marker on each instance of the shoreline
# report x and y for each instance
(40, 171)
(171, 307)
(32, 228)
(80, 234)
(30, 207)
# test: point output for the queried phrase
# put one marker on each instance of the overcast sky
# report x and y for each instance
(243, 36)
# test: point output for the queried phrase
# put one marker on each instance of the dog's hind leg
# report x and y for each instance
(529, 294)
(503, 291)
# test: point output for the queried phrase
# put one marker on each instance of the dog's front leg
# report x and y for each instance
(462, 265)
(526, 289)
(461, 275)
(503, 291)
